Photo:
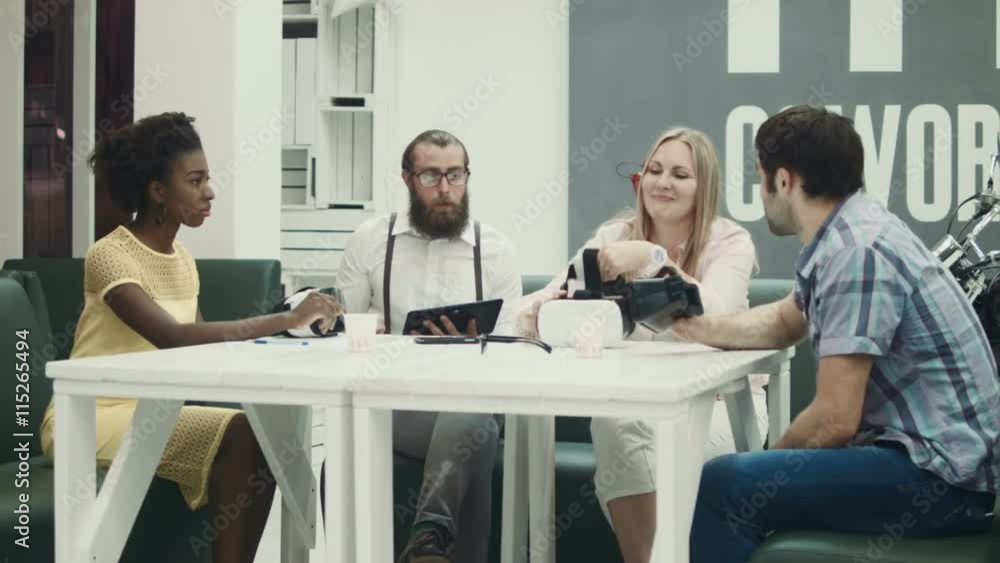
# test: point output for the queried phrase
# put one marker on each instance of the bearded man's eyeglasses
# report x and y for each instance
(432, 178)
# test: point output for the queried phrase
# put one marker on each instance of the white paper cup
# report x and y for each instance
(588, 338)
(360, 330)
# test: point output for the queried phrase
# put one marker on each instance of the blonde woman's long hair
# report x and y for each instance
(706, 201)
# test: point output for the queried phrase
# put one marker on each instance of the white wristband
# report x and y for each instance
(657, 260)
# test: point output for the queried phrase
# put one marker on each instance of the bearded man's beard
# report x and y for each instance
(439, 222)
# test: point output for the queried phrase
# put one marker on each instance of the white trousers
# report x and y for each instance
(626, 456)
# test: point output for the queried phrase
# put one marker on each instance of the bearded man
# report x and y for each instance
(436, 256)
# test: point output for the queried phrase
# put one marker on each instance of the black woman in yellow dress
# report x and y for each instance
(141, 293)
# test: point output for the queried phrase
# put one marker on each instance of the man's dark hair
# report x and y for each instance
(434, 137)
(820, 146)
(128, 159)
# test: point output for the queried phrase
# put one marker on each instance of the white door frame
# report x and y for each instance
(84, 93)
(12, 129)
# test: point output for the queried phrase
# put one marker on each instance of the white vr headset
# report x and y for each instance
(613, 308)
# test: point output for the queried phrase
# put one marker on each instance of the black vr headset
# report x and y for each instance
(670, 297)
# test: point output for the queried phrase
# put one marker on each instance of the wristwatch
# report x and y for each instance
(657, 259)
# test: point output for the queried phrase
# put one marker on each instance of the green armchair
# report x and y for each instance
(22, 308)
(49, 292)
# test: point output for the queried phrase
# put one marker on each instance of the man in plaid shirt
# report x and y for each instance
(901, 436)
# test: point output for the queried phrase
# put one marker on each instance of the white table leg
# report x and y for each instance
(514, 529)
(694, 454)
(339, 536)
(779, 401)
(75, 472)
(678, 472)
(743, 419)
(541, 488)
(284, 434)
(670, 544)
(129, 476)
(293, 549)
(373, 486)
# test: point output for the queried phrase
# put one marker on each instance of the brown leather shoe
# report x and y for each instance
(430, 546)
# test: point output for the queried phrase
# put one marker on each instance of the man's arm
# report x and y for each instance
(860, 300)
(773, 326)
(352, 274)
(724, 284)
(833, 417)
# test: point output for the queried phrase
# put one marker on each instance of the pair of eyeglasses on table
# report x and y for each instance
(482, 340)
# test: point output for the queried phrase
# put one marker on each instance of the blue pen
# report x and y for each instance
(286, 343)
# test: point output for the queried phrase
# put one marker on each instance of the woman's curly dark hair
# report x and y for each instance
(127, 160)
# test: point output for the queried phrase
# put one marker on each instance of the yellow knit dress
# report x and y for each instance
(171, 280)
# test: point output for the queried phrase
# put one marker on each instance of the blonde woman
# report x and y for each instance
(675, 224)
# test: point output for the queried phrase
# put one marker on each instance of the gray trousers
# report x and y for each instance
(459, 451)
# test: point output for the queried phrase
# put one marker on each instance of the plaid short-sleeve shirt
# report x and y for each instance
(868, 285)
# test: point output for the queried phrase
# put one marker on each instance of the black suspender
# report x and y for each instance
(390, 245)
(477, 260)
(387, 274)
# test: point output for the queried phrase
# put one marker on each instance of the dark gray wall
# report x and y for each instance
(623, 65)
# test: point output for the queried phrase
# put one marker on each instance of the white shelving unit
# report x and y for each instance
(299, 18)
(297, 177)
(334, 159)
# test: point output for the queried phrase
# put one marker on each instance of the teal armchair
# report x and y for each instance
(50, 293)
(22, 308)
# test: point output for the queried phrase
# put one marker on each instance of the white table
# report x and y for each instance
(672, 383)
(356, 393)
(276, 386)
